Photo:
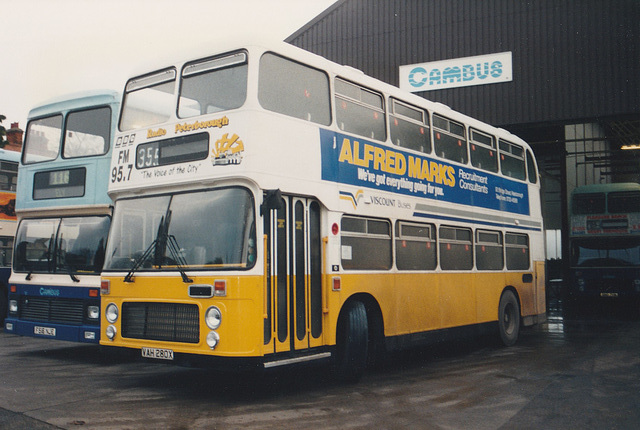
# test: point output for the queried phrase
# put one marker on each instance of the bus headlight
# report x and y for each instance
(213, 339)
(93, 312)
(213, 317)
(13, 306)
(111, 332)
(581, 285)
(111, 313)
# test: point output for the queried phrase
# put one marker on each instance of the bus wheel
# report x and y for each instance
(351, 342)
(508, 318)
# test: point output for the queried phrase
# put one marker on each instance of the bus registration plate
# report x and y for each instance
(45, 331)
(162, 354)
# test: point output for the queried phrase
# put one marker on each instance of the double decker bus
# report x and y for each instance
(8, 179)
(272, 207)
(64, 214)
(605, 242)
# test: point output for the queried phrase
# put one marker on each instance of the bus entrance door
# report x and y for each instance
(294, 278)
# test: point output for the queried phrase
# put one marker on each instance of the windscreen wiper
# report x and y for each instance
(174, 249)
(65, 265)
(158, 248)
(49, 254)
(166, 241)
(72, 275)
(146, 254)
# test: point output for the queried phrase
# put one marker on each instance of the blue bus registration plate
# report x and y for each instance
(44, 331)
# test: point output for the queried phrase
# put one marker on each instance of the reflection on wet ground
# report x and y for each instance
(580, 369)
(555, 317)
(566, 317)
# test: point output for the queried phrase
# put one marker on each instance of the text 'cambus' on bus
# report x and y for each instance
(273, 207)
(64, 214)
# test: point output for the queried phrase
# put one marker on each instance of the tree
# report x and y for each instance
(3, 132)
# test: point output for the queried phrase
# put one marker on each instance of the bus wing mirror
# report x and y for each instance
(272, 200)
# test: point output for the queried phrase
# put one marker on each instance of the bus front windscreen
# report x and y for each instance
(61, 245)
(606, 252)
(207, 230)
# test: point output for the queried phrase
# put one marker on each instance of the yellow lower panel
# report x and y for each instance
(412, 303)
(409, 303)
(241, 329)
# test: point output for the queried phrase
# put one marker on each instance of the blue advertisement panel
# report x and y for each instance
(358, 162)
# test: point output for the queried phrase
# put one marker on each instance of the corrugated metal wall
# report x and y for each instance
(572, 59)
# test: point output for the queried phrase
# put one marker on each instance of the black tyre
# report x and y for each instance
(508, 318)
(352, 343)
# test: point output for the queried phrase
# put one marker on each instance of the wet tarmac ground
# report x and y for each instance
(580, 370)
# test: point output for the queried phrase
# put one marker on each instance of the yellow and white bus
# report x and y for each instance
(273, 207)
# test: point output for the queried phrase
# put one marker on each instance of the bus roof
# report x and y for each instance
(6, 155)
(606, 188)
(75, 100)
(347, 72)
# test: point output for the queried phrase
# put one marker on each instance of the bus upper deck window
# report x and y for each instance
(409, 127)
(623, 202)
(531, 168)
(294, 89)
(148, 100)
(589, 204)
(213, 85)
(483, 150)
(42, 142)
(512, 160)
(359, 110)
(450, 140)
(87, 133)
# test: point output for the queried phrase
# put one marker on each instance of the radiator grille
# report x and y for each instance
(54, 310)
(170, 322)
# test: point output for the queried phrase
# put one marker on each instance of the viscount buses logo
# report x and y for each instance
(227, 150)
(352, 198)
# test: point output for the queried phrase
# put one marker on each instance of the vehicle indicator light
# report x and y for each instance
(94, 292)
(335, 229)
(336, 283)
(14, 289)
(220, 288)
(105, 287)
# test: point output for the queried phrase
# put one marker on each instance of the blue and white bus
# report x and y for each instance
(8, 178)
(64, 214)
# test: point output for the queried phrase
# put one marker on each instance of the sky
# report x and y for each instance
(49, 48)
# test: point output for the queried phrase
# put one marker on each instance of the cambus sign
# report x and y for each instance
(458, 72)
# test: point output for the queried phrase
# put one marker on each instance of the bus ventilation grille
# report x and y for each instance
(169, 322)
(53, 310)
